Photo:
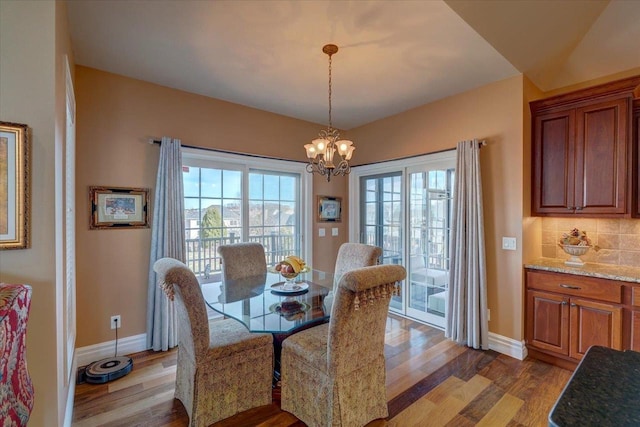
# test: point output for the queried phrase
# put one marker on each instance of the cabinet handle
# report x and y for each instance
(573, 304)
(579, 208)
(562, 285)
(564, 303)
(571, 208)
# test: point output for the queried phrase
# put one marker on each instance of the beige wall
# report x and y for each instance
(325, 248)
(492, 113)
(34, 40)
(116, 116)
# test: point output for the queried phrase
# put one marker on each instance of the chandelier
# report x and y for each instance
(322, 150)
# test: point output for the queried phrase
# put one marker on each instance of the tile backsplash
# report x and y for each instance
(618, 239)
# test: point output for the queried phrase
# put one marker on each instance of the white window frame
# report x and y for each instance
(205, 158)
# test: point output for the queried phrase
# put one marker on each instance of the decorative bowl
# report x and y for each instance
(289, 276)
(575, 251)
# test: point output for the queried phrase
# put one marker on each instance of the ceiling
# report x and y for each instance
(394, 55)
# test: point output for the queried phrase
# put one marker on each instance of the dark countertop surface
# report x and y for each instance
(603, 391)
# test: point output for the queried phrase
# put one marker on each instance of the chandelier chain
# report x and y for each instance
(330, 126)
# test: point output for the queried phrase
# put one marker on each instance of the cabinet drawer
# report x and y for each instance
(568, 284)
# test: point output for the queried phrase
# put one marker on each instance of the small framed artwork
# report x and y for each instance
(118, 207)
(329, 209)
(15, 186)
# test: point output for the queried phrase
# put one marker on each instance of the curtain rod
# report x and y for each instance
(217, 150)
(152, 141)
(480, 144)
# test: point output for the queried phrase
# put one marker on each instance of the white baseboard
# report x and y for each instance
(508, 346)
(127, 345)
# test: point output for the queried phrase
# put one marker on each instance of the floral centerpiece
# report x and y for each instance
(576, 243)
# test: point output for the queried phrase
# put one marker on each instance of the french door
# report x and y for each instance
(405, 208)
(381, 218)
(429, 214)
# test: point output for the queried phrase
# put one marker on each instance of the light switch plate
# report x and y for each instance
(509, 243)
(334, 231)
(321, 232)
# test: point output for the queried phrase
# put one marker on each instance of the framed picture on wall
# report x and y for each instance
(118, 207)
(329, 209)
(15, 187)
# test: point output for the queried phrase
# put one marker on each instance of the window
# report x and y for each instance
(232, 200)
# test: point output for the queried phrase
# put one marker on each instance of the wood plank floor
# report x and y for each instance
(430, 382)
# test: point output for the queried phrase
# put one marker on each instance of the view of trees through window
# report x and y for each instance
(220, 209)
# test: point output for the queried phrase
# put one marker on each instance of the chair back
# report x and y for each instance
(242, 261)
(181, 286)
(355, 255)
(359, 315)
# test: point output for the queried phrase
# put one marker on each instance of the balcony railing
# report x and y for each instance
(203, 258)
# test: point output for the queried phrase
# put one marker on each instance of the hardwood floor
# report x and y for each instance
(430, 382)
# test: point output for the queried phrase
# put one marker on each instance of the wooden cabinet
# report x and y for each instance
(636, 146)
(593, 323)
(567, 314)
(635, 319)
(581, 152)
(548, 322)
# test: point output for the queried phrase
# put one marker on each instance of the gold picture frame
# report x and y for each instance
(118, 207)
(329, 209)
(15, 186)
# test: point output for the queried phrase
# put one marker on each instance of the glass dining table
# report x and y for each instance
(262, 305)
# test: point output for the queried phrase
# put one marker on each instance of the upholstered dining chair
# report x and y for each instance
(351, 256)
(334, 374)
(222, 368)
(242, 260)
(244, 271)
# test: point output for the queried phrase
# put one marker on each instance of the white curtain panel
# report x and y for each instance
(167, 240)
(467, 322)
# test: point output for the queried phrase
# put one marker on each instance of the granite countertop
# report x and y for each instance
(603, 391)
(604, 271)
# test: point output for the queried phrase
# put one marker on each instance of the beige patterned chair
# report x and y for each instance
(242, 260)
(222, 368)
(244, 271)
(350, 257)
(334, 374)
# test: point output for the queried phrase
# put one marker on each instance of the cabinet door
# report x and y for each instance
(635, 319)
(548, 322)
(553, 163)
(601, 153)
(635, 330)
(636, 146)
(594, 323)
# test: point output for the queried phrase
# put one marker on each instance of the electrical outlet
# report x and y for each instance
(488, 315)
(116, 322)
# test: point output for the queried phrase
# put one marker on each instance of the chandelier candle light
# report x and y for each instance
(321, 151)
